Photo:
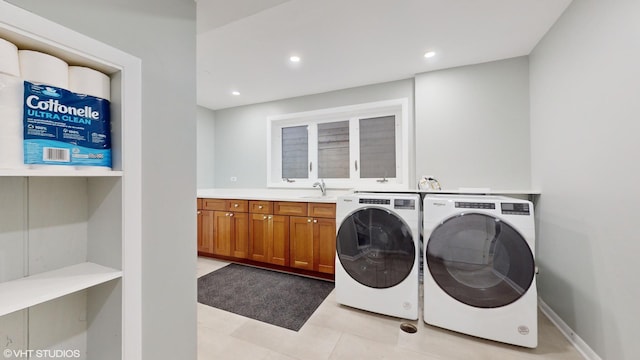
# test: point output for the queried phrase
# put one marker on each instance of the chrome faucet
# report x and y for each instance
(322, 186)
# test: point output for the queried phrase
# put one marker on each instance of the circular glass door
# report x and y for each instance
(376, 248)
(480, 261)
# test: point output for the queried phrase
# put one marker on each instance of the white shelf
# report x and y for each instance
(60, 173)
(32, 290)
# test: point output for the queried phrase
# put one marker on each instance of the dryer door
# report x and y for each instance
(376, 247)
(480, 260)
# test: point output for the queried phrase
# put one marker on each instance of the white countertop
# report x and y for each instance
(313, 195)
(299, 195)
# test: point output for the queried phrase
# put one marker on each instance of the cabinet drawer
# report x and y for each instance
(238, 205)
(214, 204)
(260, 207)
(325, 210)
(290, 208)
(199, 203)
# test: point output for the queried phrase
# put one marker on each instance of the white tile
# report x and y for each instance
(339, 332)
(220, 321)
(263, 334)
(216, 346)
(351, 347)
(310, 343)
(356, 322)
(207, 265)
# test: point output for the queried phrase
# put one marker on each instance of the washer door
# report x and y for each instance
(376, 248)
(480, 260)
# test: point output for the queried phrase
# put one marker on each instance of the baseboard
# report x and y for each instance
(573, 338)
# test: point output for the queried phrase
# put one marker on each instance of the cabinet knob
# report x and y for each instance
(270, 217)
(308, 220)
(231, 214)
(199, 212)
(264, 217)
(227, 214)
(235, 205)
(315, 220)
(259, 206)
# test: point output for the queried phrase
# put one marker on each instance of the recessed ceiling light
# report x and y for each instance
(235, 93)
(294, 59)
(429, 54)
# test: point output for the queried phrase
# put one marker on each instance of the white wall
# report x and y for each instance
(585, 123)
(206, 147)
(472, 125)
(241, 132)
(162, 33)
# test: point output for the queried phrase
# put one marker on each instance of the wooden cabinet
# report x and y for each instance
(289, 234)
(312, 239)
(301, 242)
(230, 234)
(221, 231)
(205, 231)
(324, 240)
(269, 239)
(290, 208)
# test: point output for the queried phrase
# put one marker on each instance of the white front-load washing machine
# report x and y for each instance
(479, 267)
(378, 253)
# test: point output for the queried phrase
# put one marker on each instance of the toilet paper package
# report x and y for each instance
(9, 63)
(43, 68)
(11, 95)
(84, 80)
(65, 128)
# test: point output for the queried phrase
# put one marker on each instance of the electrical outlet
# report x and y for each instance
(233, 179)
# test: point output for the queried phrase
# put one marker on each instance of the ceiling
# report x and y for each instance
(245, 45)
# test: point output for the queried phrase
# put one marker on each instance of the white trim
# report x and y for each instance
(575, 340)
(397, 107)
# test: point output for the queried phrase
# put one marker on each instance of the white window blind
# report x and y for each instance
(378, 147)
(295, 152)
(333, 150)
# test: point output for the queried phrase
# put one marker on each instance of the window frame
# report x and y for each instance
(397, 107)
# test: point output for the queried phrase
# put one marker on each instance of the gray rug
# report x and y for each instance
(269, 296)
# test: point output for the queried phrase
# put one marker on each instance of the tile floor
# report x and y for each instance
(337, 332)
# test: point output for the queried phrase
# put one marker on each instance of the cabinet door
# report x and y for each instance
(279, 240)
(222, 233)
(324, 236)
(301, 242)
(240, 235)
(205, 231)
(258, 237)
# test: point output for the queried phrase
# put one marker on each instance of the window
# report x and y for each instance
(360, 145)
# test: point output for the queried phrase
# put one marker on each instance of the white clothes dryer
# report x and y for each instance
(479, 267)
(378, 253)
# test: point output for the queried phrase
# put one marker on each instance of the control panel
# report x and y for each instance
(375, 201)
(405, 204)
(515, 208)
(475, 205)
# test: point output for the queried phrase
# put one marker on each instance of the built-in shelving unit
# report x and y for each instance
(70, 240)
(59, 173)
(32, 290)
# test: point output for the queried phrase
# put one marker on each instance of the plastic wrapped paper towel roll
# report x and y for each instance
(43, 68)
(83, 80)
(11, 147)
(9, 63)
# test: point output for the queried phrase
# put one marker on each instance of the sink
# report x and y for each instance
(319, 197)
